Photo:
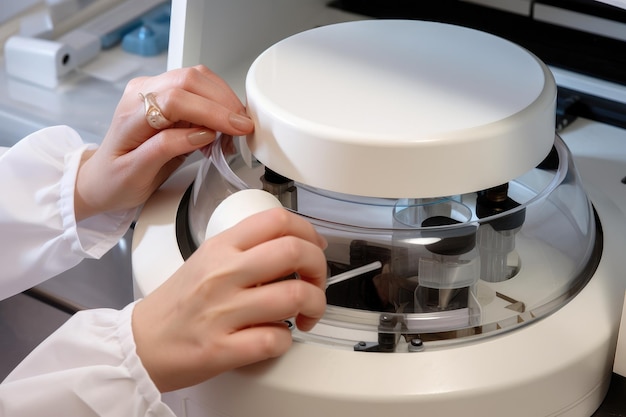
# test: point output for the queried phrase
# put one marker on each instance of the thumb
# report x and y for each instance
(171, 144)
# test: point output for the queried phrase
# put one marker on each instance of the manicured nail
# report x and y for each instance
(201, 137)
(240, 122)
(322, 242)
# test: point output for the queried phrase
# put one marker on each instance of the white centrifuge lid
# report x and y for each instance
(399, 108)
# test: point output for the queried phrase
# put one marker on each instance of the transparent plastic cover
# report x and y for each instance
(437, 269)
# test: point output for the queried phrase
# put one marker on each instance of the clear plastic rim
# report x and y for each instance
(218, 158)
(351, 319)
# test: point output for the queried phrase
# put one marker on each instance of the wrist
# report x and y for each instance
(148, 345)
(84, 206)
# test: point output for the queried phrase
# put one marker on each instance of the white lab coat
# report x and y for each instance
(89, 366)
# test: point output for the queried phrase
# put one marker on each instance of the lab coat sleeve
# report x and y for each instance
(39, 236)
(88, 367)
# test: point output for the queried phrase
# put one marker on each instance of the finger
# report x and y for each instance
(254, 344)
(169, 144)
(270, 259)
(206, 86)
(279, 301)
(271, 224)
(231, 351)
(197, 80)
(228, 94)
(202, 81)
(283, 257)
(266, 262)
(181, 105)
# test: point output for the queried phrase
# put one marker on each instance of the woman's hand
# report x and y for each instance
(226, 306)
(134, 158)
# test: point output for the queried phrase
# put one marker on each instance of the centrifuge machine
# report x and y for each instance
(469, 272)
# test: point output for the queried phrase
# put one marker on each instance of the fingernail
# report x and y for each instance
(323, 242)
(201, 137)
(241, 122)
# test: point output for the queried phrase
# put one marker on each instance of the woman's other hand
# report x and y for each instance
(135, 158)
(226, 306)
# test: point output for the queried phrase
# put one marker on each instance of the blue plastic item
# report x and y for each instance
(151, 37)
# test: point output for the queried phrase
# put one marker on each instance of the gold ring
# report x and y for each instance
(154, 115)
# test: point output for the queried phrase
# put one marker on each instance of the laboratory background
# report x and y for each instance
(505, 301)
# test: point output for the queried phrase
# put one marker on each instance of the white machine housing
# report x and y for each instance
(510, 374)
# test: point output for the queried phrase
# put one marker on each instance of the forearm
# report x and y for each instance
(88, 367)
(41, 236)
(82, 208)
